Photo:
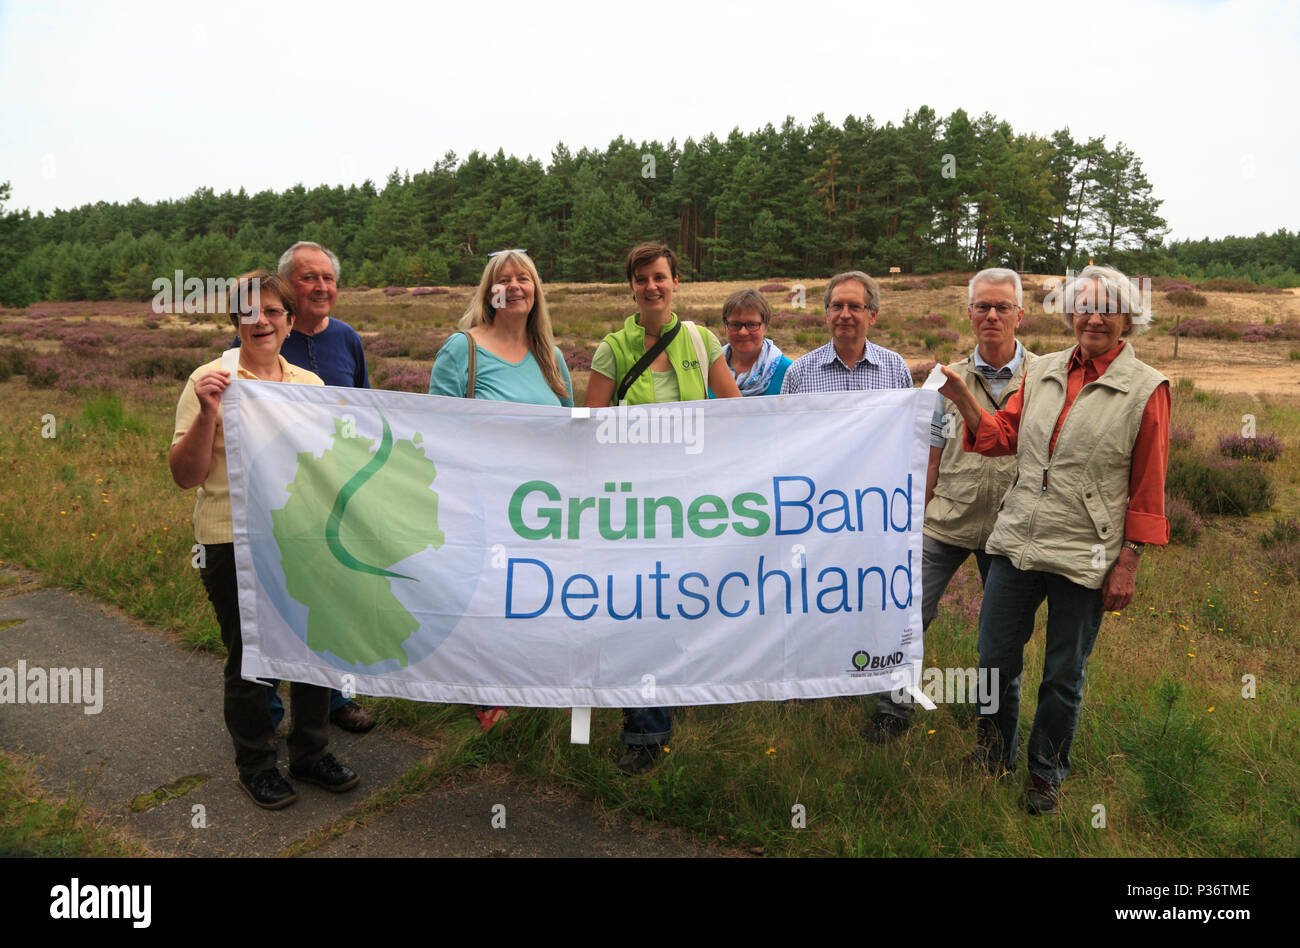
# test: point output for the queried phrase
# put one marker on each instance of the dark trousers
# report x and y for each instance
(248, 718)
(647, 725)
(1011, 597)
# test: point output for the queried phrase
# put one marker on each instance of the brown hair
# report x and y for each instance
(642, 254)
(257, 281)
(747, 299)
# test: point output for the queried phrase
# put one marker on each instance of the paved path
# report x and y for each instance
(161, 721)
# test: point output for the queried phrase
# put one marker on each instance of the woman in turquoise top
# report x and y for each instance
(516, 358)
(676, 374)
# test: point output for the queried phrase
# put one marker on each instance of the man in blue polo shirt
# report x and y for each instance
(332, 349)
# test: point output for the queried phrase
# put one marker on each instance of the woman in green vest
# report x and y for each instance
(655, 358)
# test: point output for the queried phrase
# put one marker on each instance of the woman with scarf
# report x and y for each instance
(756, 362)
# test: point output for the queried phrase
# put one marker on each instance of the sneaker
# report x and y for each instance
(352, 717)
(1042, 797)
(327, 773)
(884, 728)
(268, 789)
(640, 758)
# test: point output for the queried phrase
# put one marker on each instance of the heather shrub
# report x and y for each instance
(13, 361)
(1225, 285)
(387, 346)
(1282, 544)
(403, 378)
(1185, 524)
(948, 335)
(1265, 447)
(1185, 298)
(773, 288)
(1219, 485)
(921, 371)
(578, 360)
(1181, 437)
(1042, 324)
(1200, 328)
(394, 290)
(426, 348)
(43, 372)
(929, 321)
(164, 365)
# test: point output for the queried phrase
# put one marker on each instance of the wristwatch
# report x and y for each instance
(1134, 547)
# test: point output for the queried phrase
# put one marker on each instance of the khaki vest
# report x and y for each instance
(970, 487)
(1066, 515)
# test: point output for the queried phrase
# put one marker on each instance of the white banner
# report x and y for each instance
(483, 552)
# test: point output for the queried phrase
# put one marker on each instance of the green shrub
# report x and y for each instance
(1173, 754)
(1219, 485)
(107, 411)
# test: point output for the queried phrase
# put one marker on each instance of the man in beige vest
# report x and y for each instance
(963, 489)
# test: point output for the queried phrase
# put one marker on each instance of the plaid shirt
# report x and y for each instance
(822, 370)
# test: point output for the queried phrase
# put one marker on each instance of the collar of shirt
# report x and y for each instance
(1012, 366)
(1099, 363)
(287, 369)
(831, 356)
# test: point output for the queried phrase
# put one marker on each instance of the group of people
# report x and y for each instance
(1051, 510)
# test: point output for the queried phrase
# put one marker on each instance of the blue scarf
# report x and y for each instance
(759, 376)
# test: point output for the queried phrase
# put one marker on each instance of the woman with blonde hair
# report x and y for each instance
(513, 356)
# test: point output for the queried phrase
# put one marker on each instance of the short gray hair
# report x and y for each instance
(746, 299)
(872, 288)
(1122, 290)
(996, 275)
(286, 258)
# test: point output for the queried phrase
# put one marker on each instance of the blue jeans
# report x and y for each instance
(939, 563)
(277, 706)
(646, 726)
(1011, 597)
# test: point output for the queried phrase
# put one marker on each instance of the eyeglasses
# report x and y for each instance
(752, 325)
(1003, 309)
(1111, 317)
(270, 312)
(857, 309)
(497, 253)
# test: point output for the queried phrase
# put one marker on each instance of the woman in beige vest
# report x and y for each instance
(1090, 431)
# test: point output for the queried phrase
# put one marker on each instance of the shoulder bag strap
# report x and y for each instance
(643, 363)
(472, 352)
(700, 355)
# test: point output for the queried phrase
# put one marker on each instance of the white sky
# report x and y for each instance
(155, 99)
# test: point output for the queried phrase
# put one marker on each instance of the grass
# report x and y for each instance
(1188, 736)
(34, 823)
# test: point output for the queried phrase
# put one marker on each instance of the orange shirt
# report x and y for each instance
(1145, 520)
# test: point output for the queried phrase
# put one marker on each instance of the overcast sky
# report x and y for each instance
(108, 102)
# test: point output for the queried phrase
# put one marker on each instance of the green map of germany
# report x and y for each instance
(352, 514)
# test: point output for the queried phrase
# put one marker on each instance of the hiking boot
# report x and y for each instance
(884, 728)
(352, 717)
(1042, 797)
(327, 773)
(640, 758)
(268, 789)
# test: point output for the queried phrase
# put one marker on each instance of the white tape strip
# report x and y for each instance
(580, 726)
(935, 379)
(230, 363)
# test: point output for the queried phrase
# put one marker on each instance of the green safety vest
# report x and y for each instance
(628, 345)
